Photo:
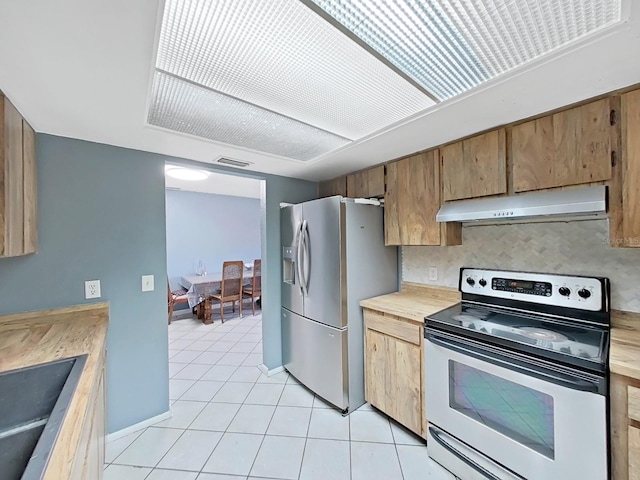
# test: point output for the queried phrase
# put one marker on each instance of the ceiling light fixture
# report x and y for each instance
(182, 173)
(450, 47)
(271, 76)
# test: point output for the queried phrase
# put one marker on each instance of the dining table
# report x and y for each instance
(200, 287)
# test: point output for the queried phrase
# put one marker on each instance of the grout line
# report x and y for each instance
(350, 451)
(306, 437)
(139, 432)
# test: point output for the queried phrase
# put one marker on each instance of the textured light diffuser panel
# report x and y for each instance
(188, 108)
(282, 56)
(451, 46)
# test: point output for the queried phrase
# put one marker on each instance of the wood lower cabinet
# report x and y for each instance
(394, 368)
(475, 167)
(625, 428)
(336, 186)
(566, 148)
(90, 456)
(634, 453)
(18, 186)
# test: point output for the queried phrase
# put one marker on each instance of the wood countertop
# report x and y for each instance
(43, 336)
(414, 301)
(624, 352)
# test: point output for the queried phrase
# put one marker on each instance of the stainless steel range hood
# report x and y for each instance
(536, 206)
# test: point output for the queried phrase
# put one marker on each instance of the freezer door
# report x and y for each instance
(291, 288)
(316, 355)
(322, 259)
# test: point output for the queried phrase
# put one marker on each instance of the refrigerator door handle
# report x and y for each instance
(304, 265)
(298, 242)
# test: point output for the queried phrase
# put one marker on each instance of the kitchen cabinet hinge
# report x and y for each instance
(614, 158)
(613, 117)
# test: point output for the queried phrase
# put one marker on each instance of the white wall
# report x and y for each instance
(571, 248)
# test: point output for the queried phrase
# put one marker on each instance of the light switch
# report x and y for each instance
(147, 283)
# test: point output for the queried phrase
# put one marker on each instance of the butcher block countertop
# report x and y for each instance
(43, 336)
(625, 344)
(414, 301)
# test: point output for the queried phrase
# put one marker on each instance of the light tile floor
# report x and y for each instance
(231, 422)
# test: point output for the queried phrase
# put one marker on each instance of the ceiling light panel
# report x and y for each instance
(282, 56)
(451, 46)
(188, 108)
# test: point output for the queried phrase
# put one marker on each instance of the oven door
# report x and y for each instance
(492, 411)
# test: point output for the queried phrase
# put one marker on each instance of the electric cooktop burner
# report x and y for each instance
(542, 335)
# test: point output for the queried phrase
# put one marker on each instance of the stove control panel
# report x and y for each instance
(522, 286)
(585, 293)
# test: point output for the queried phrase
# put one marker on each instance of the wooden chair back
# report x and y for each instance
(174, 298)
(256, 283)
(255, 289)
(231, 286)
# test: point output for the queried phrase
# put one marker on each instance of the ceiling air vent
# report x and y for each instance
(233, 163)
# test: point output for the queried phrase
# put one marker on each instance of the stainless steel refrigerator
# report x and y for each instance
(333, 257)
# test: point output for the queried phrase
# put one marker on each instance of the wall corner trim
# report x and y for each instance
(263, 368)
(138, 426)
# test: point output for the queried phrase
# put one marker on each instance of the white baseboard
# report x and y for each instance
(263, 368)
(138, 426)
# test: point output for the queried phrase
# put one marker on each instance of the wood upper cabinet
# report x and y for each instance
(366, 183)
(394, 369)
(412, 200)
(18, 186)
(475, 167)
(336, 186)
(566, 148)
(627, 233)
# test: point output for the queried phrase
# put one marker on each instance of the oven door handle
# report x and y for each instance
(514, 364)
(463, 458)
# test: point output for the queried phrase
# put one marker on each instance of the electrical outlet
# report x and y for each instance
(92, 289)
(432, 273)
(147, 283)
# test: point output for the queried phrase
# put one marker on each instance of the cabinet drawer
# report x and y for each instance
(390, 326)
(633, 398)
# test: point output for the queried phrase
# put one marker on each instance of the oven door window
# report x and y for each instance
(521, 413)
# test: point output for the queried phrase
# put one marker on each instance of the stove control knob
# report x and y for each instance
(483, 282)
(471, 281)
(584, 293)
(564, 291)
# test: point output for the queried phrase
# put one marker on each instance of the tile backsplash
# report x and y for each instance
(578, 247)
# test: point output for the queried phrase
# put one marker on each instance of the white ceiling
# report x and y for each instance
(83, 69)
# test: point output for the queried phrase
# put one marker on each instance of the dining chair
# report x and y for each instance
(230, 287)
(254, 289)
(175, 297)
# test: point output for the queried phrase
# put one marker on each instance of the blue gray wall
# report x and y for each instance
(211, 228)
(101, 215)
